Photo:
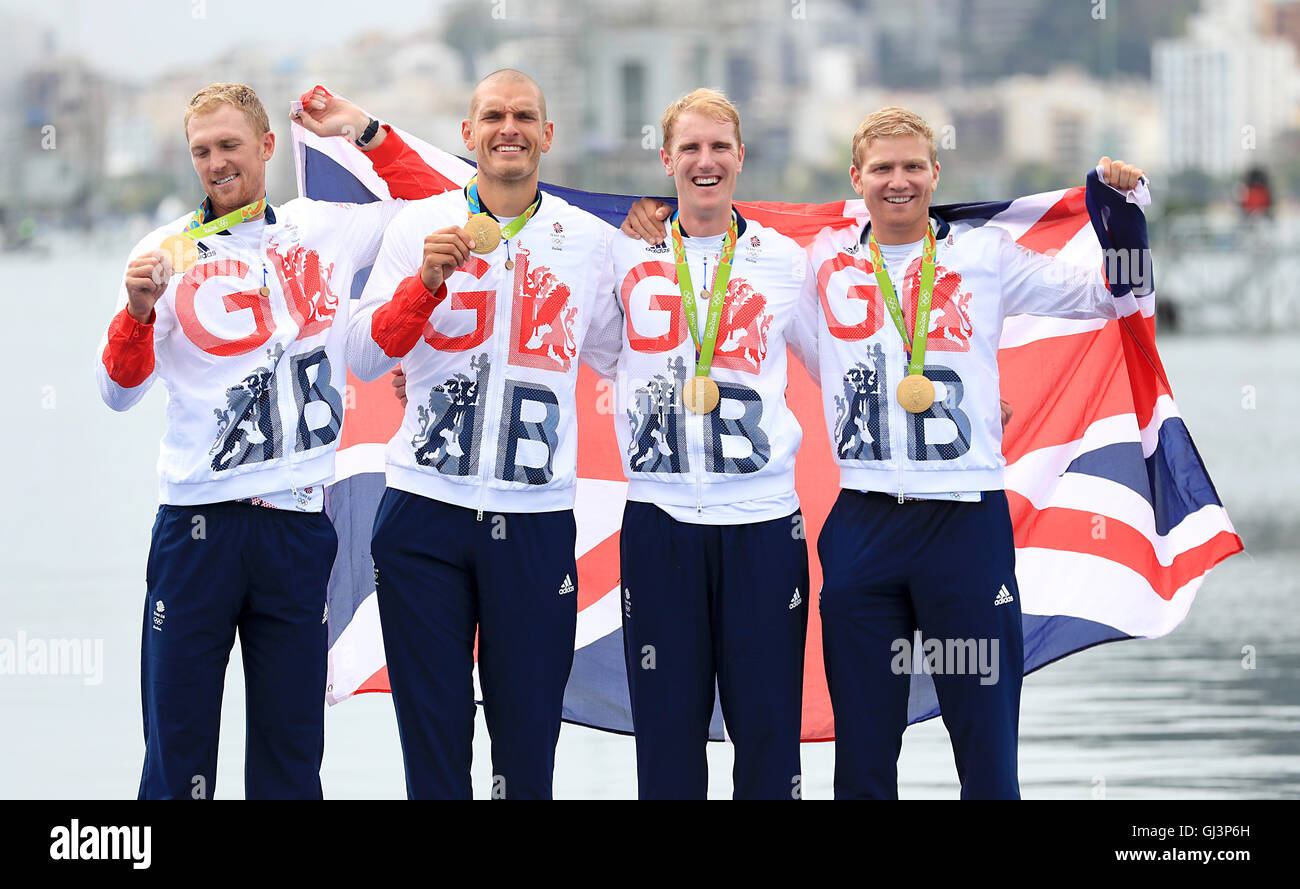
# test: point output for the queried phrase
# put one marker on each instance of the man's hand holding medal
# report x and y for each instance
(445, 250)
(146, 281)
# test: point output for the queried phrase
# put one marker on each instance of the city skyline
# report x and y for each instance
(1223, 95)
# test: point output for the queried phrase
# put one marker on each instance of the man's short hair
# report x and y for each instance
(239, 95)
(710, 103)
(510, 75)
(892, 121)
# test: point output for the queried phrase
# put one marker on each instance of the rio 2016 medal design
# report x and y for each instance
(916, 393)
(700, 395)
(485, 233)
(181, 250)
(483, 228)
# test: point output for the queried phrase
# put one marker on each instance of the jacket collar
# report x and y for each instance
(940, 229)
(537, 199)
(740, 222)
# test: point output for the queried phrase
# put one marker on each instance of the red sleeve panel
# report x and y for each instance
(398, 324)
(128, 357)
(404, 171)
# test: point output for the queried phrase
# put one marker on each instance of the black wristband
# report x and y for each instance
(368, 134)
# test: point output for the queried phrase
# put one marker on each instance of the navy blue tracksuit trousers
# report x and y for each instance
(215, 570)
(706, 603)
(441, 574)
(946, 569)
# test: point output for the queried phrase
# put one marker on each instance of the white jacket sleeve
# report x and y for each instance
(1034, 284)
(399, 258)
(604, 337)
(365, 227)
(807, 321)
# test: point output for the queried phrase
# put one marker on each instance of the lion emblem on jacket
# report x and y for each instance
(447, 420)
(861, 423)
(743, 328)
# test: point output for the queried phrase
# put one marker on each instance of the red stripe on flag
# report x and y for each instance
(598, 452)
(372, 413)
(1059, 224)
(817, 482)
(1146, 372)
(598, 571)
(1074, 530)
(376, 683)
(1059, 386)
(801, 222)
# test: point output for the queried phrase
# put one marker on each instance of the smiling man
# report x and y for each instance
(234, 309)
(911, 311)
(713, 556)
(486, 295)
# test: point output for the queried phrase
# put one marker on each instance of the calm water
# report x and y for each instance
(1174, 717)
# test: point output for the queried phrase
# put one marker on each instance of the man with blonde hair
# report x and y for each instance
(910, 314)
(240, 309)
(893, 121)
(713, 556)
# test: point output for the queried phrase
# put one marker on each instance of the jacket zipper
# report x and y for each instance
(694, 425)
(896, 430)
(495, 389)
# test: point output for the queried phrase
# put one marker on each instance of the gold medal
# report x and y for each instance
(265, 291)
(484, 232)
(916, 393)
(510, 264)
(182, 251)
(700, 395)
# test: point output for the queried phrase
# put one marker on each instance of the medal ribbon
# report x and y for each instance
(510, 229)
(916, 345)
(196, 228)
(704, 345)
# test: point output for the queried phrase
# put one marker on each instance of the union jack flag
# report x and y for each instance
(1096, 443)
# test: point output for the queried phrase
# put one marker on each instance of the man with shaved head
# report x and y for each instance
(486, 295)
(507, 76)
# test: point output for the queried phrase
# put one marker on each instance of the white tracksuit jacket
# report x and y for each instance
(744, 450)
(491, 360)
(982, 277)
(255, 383)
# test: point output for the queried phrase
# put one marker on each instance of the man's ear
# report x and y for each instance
(467, 135)
(667, 160)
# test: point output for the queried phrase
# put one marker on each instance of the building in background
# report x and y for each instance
(1229, 90)
(64, 107)
(1015, 105)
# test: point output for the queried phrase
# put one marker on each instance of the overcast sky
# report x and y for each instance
(137, 39)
